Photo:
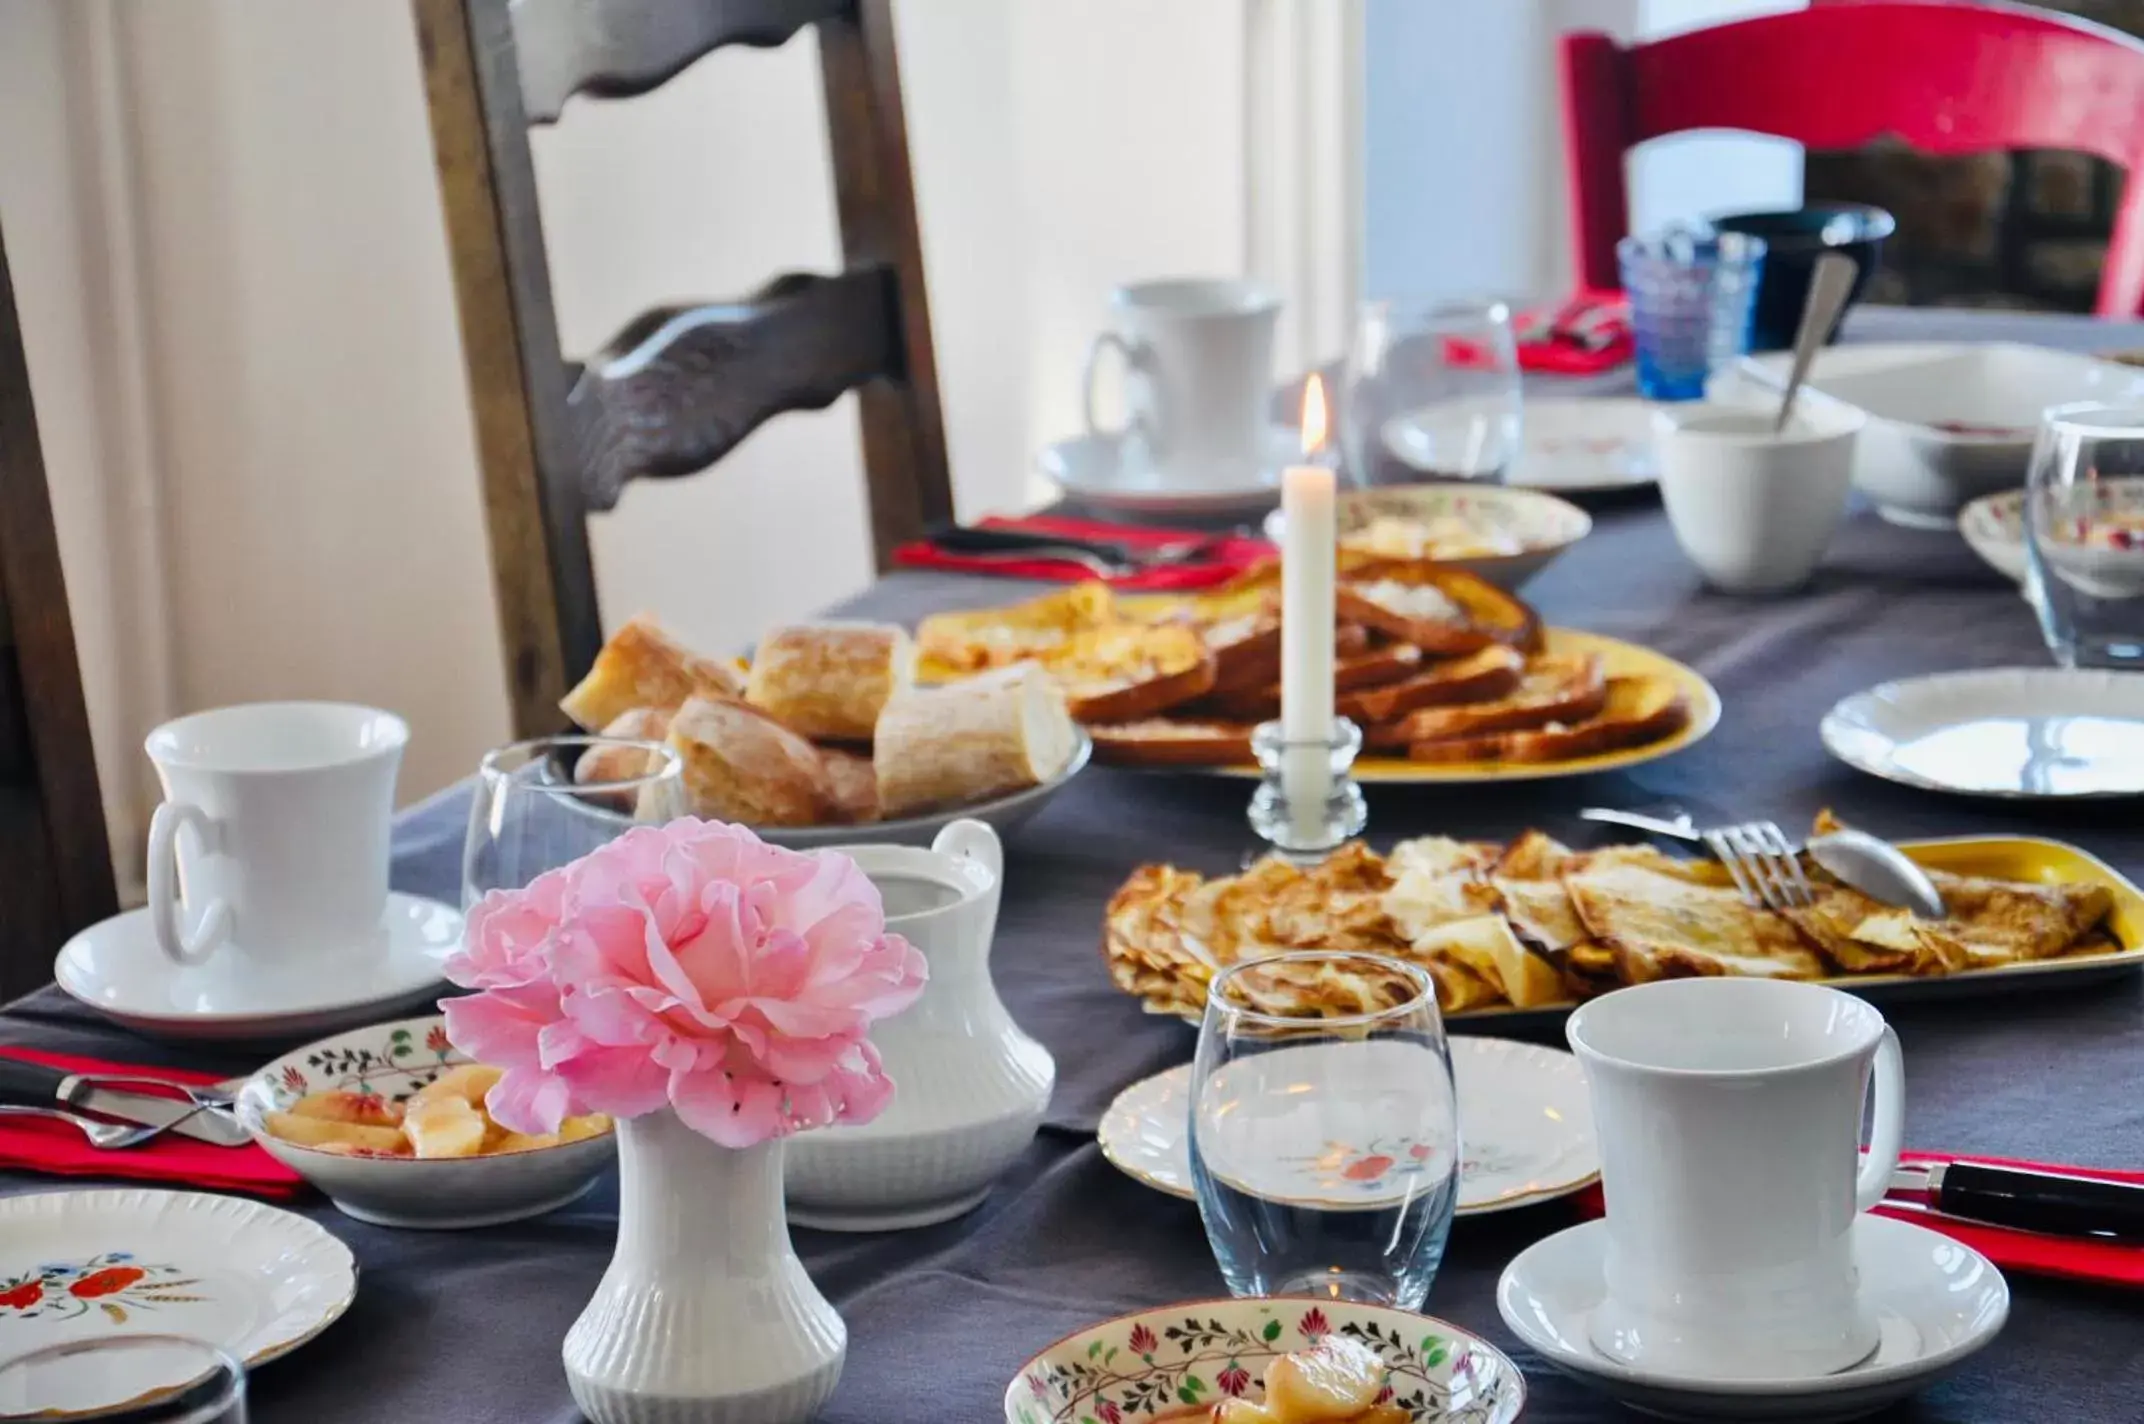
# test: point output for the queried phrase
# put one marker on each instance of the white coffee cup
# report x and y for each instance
(273, 835)
(1198, 374)
(1729, 1116)
(1754, 510)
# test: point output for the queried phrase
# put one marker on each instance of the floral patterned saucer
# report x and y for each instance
(1525, 1127)
(250, 1278)
(1161, 1361)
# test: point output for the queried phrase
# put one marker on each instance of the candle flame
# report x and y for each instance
(1313, 414)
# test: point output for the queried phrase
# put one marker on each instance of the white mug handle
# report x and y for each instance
(1092, 367)
(1887, 1125)
(164, 897)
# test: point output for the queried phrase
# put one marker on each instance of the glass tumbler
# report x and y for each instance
(1324, 1128)
(1430, 392)
(126, 1379)
(546, 802)
(2084, 535)
(1691, 296)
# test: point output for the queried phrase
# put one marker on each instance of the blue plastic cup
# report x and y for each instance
(1691, 295)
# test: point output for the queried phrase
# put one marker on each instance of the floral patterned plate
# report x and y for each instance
(1525, 1127)
(393, 1060)
(1536, 527)
(248, 1277)
(1173, 1357)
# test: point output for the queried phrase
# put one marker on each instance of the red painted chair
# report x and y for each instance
(1944, 77)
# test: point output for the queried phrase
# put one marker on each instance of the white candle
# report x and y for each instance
(1308, 556)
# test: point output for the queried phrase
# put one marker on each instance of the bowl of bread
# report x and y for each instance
(1505, 536)
(389, 1121)
(826, 732)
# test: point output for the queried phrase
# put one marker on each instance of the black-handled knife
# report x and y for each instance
(965, 539)
(2047, 1202)
(33, 1085)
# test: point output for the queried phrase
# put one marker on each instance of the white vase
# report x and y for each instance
(969, 1087)
(705, 1315)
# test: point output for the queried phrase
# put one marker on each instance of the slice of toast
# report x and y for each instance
(1164, 741)
(1129, 671)
(949, 645)
(1553, 689)
(1437, 608)
(1493, 672)
(1375, 668)
(1634, 711)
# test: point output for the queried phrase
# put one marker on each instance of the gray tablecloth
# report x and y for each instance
(466, 1326)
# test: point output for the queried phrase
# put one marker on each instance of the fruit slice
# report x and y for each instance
(1337, 1378)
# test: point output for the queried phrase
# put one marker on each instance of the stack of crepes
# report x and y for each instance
(1535, 924)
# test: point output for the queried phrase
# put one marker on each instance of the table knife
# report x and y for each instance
(2047, 1202)
(35, 1085)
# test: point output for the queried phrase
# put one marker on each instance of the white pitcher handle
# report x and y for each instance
(1887, 1125)
(1091, 367)
(973, 840)
(164, 897)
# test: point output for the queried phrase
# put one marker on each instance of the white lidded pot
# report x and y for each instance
(969, 1087)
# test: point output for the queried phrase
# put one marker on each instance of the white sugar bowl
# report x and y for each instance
(969, 1087)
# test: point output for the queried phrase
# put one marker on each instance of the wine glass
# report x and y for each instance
(1429, 393)
(1325, 1150)
(2084, 535)
(537, 808)
(126, 1379)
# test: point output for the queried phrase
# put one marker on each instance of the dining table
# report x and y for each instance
(465, 1326)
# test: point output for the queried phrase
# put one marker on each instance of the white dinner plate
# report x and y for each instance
(115, 967)
(1525, 1128)
(1113, 472)
(1567, 444)
(249, 1278)
(2039, 734)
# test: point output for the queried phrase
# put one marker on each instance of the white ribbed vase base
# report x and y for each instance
(706, 1315)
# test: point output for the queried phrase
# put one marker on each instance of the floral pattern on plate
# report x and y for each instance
(108, 1283)
(1143, 1366)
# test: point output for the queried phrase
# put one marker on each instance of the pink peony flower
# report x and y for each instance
(693, 966)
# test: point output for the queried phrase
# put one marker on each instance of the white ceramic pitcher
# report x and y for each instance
(969, 1087)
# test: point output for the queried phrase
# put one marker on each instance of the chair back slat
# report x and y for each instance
(619, 48)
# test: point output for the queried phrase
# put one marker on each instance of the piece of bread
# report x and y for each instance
(1634, 712)
(644, 666)
(967, 741)
(1493, 672)
(1564, 689)
(854, 782)
(743, 766)
(1375, 668)
(1165, 741)
(600, 765)
(949, 645)
(1438, 609)
(828, 681)
(1129, 671)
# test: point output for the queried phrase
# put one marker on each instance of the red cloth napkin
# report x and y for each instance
(33, 1144)
(1606, 315)
(1229, 558)
(2069, 1257)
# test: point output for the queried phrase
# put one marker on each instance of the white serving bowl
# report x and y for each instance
(1542, 525)
(1919, 473)
(1154, 1362)
(394, 1060)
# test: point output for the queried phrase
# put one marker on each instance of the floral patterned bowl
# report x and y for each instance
(1537, 526)
(1162, 1361)
(391, 1061)
(1995, 524)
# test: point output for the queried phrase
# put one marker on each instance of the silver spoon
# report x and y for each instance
(1878, 870)
(110, 1136)
(1828, 286)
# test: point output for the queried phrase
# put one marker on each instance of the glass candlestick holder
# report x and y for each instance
(1308, 803)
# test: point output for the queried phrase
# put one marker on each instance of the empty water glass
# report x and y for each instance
(1325, 1150)
(126, 1379)
(543, 803)
(2084, 535)
(1691, 296)
(1430, 392)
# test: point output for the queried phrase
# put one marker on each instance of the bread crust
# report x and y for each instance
(829, 681)
(1163, 741)
(644, 665)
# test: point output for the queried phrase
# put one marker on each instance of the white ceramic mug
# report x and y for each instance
(1754, 510)
(273, 835)
(1198, 374)
(969, 1087)
(1729, 1114)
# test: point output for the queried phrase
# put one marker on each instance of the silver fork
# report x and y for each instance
(108, 1136)
(1759, 858)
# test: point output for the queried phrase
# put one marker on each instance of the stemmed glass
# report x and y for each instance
(2084, 535)
(126, 1379)
(1325, 1149)
(533, 813)
(1430, 393)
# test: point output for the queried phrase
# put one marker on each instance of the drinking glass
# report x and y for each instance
(1430, 392)
(137, 1379)
(2084, 534)
(531, 815)
(1325, 1151)
(1691, 297)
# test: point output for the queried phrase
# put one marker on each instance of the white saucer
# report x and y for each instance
(1114, 472)
(1935, 1300)
(2038, 734)
(1569, 445)
(1525, 1128)
(116, 969)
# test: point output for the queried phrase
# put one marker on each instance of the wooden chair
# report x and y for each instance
(678, 388)
(1945, 77)
(55, 859)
